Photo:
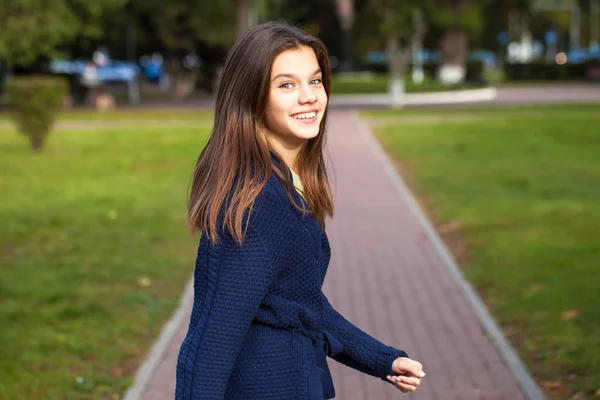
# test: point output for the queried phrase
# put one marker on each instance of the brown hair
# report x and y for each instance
(236, 163)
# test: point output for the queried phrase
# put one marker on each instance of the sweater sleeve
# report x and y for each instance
(360, 350)
(236, 281)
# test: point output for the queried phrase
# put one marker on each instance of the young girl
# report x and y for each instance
(261, 328)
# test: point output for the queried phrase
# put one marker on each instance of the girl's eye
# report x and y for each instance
(286, 85)
(316, 81)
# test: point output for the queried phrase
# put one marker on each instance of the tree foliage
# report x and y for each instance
(35, 102)
(37, 28)
(465, 15)
(177, 26)
(401, 24)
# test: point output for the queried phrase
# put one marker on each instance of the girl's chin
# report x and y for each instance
(306, 134)
(293, 133)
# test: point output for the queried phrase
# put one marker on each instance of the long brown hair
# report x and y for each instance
(236, 162)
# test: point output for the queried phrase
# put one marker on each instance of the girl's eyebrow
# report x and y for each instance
(292, 76)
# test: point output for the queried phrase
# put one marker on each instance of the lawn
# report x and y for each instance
(94, 249)
(515, 192)
(349, 83)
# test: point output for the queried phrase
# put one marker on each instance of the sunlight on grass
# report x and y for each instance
(365, 83)
(94, 255)
(522, 184)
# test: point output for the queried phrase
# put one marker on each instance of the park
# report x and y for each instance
(475, 175)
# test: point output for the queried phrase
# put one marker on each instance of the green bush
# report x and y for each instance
(35, 102)
(476, 71)
(548, 71)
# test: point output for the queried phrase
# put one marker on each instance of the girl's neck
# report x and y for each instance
(288, 154)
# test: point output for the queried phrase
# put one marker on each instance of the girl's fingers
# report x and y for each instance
(405, 387)
(410, 380)
(405, 383)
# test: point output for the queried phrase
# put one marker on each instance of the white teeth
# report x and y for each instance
(305, 115)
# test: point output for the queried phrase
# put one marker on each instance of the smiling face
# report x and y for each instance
(297, 99)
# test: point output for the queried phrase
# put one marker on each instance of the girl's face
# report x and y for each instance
(297, 98)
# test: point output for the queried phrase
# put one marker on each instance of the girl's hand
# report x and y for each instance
(408, 374)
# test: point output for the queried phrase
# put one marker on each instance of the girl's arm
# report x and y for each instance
(361, 351)
(237, 280)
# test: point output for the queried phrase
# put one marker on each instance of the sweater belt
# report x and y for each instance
(324, 344)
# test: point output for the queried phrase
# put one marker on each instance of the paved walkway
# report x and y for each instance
(388, 276)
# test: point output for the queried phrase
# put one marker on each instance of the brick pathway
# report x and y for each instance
(393, 285)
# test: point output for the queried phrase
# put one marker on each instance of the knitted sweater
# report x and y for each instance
(261, 327)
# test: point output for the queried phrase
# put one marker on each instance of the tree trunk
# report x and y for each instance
(454, 47)
(398, 57)
(5, 69)
(242, 16)
(345, 11)
(37, 141)
(346, 58)
(182, 81)
(526, 40)
(416, 43)
(594, 14)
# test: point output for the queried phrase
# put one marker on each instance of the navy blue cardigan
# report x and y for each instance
(261, 327)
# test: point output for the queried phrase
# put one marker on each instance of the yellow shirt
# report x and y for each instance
(297, 183)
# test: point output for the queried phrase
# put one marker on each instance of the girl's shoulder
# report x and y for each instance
(272, 194)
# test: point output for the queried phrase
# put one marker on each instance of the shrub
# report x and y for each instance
(35, 102)
(547, 71)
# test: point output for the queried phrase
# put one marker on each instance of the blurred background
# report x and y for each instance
(488, 108)
(140, 51)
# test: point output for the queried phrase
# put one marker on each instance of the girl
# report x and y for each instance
(261, 328)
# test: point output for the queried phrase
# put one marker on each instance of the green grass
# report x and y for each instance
(520, 187)
(378, 83)
(94, 253)
(165, 115)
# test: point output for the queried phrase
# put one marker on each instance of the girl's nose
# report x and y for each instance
(307, 95)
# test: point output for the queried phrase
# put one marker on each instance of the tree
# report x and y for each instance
(178, 27)
(345, 12)
(460, 18)
(33, 29)
(34, 103)
(243, 10)
(403, 24)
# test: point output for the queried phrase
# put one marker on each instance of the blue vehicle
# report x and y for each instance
(114, 71)
(152, 67)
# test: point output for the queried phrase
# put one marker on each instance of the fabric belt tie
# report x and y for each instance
(324, 344)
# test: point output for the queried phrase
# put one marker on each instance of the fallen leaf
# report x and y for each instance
(144, 281)
(550, 385)
(570, 314)
(451, 227)
(536, 287)
(555, 387)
